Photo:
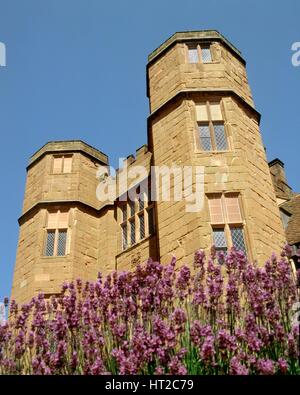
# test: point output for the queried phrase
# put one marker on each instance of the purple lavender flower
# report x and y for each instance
(207, 350)
(237, 368)
(137, 322)
(265, 366)
(283, 365)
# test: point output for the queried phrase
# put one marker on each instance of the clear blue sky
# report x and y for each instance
(76, 70)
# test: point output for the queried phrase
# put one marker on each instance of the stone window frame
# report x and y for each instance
(226, 225)
(62, 169)
(198, 47)
(285, 217)
(127, 216)
(57, 229)
(210, 124)
(49, 295)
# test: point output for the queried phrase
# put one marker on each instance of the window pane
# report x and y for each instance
(142, 202)
(67, 164)
(142, 226)
(57, 164)
(132, 232)
(132, 207)
(62, 242)
(63, 219)
(205, 137)
(124, 212)
(193, 55)
(201, 112)
(215, 111)
(233, 209)
(220, 136)
(151, 223)
(216, 210)
(50, 243)
(237, 236)
(206, 55)
(220, 240)
(52, 220)
(124, 237)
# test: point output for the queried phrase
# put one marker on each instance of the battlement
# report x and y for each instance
(142, 155)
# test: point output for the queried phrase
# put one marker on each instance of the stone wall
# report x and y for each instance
(172, 73)
(79, 185)
(243, 169)
(95, 240)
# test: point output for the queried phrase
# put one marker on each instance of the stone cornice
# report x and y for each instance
(222, 92)
(67, 147)
(47, 203)
(188, 36)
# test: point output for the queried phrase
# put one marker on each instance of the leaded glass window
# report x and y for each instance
(193, 55)
(237, 236)
(62, 242)
(212, 133)
(57, 233)
(132, 207)
(205, 137)
(124, 212)
(138, 224)
(124, 236)
(142, 226)
(132, 232)
(206, 55)
(226, 221)
(50, 243)
(141, 203)
(220, 137)
(220, 240)
(198, 53)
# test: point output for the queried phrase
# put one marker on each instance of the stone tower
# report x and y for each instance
(59, 223)
(201, 115)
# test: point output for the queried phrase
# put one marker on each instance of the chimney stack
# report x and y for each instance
(282, 189)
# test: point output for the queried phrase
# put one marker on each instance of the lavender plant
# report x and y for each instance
(223, 316)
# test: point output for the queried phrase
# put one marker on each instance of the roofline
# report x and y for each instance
(275, 161)
(68, 146)
(188, 36)
(284, 209)
(191, 35)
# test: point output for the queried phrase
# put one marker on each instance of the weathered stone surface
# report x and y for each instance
(94, 227)
(288, 202)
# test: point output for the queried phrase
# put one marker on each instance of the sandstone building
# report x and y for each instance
(201, 114)
(289, 206)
